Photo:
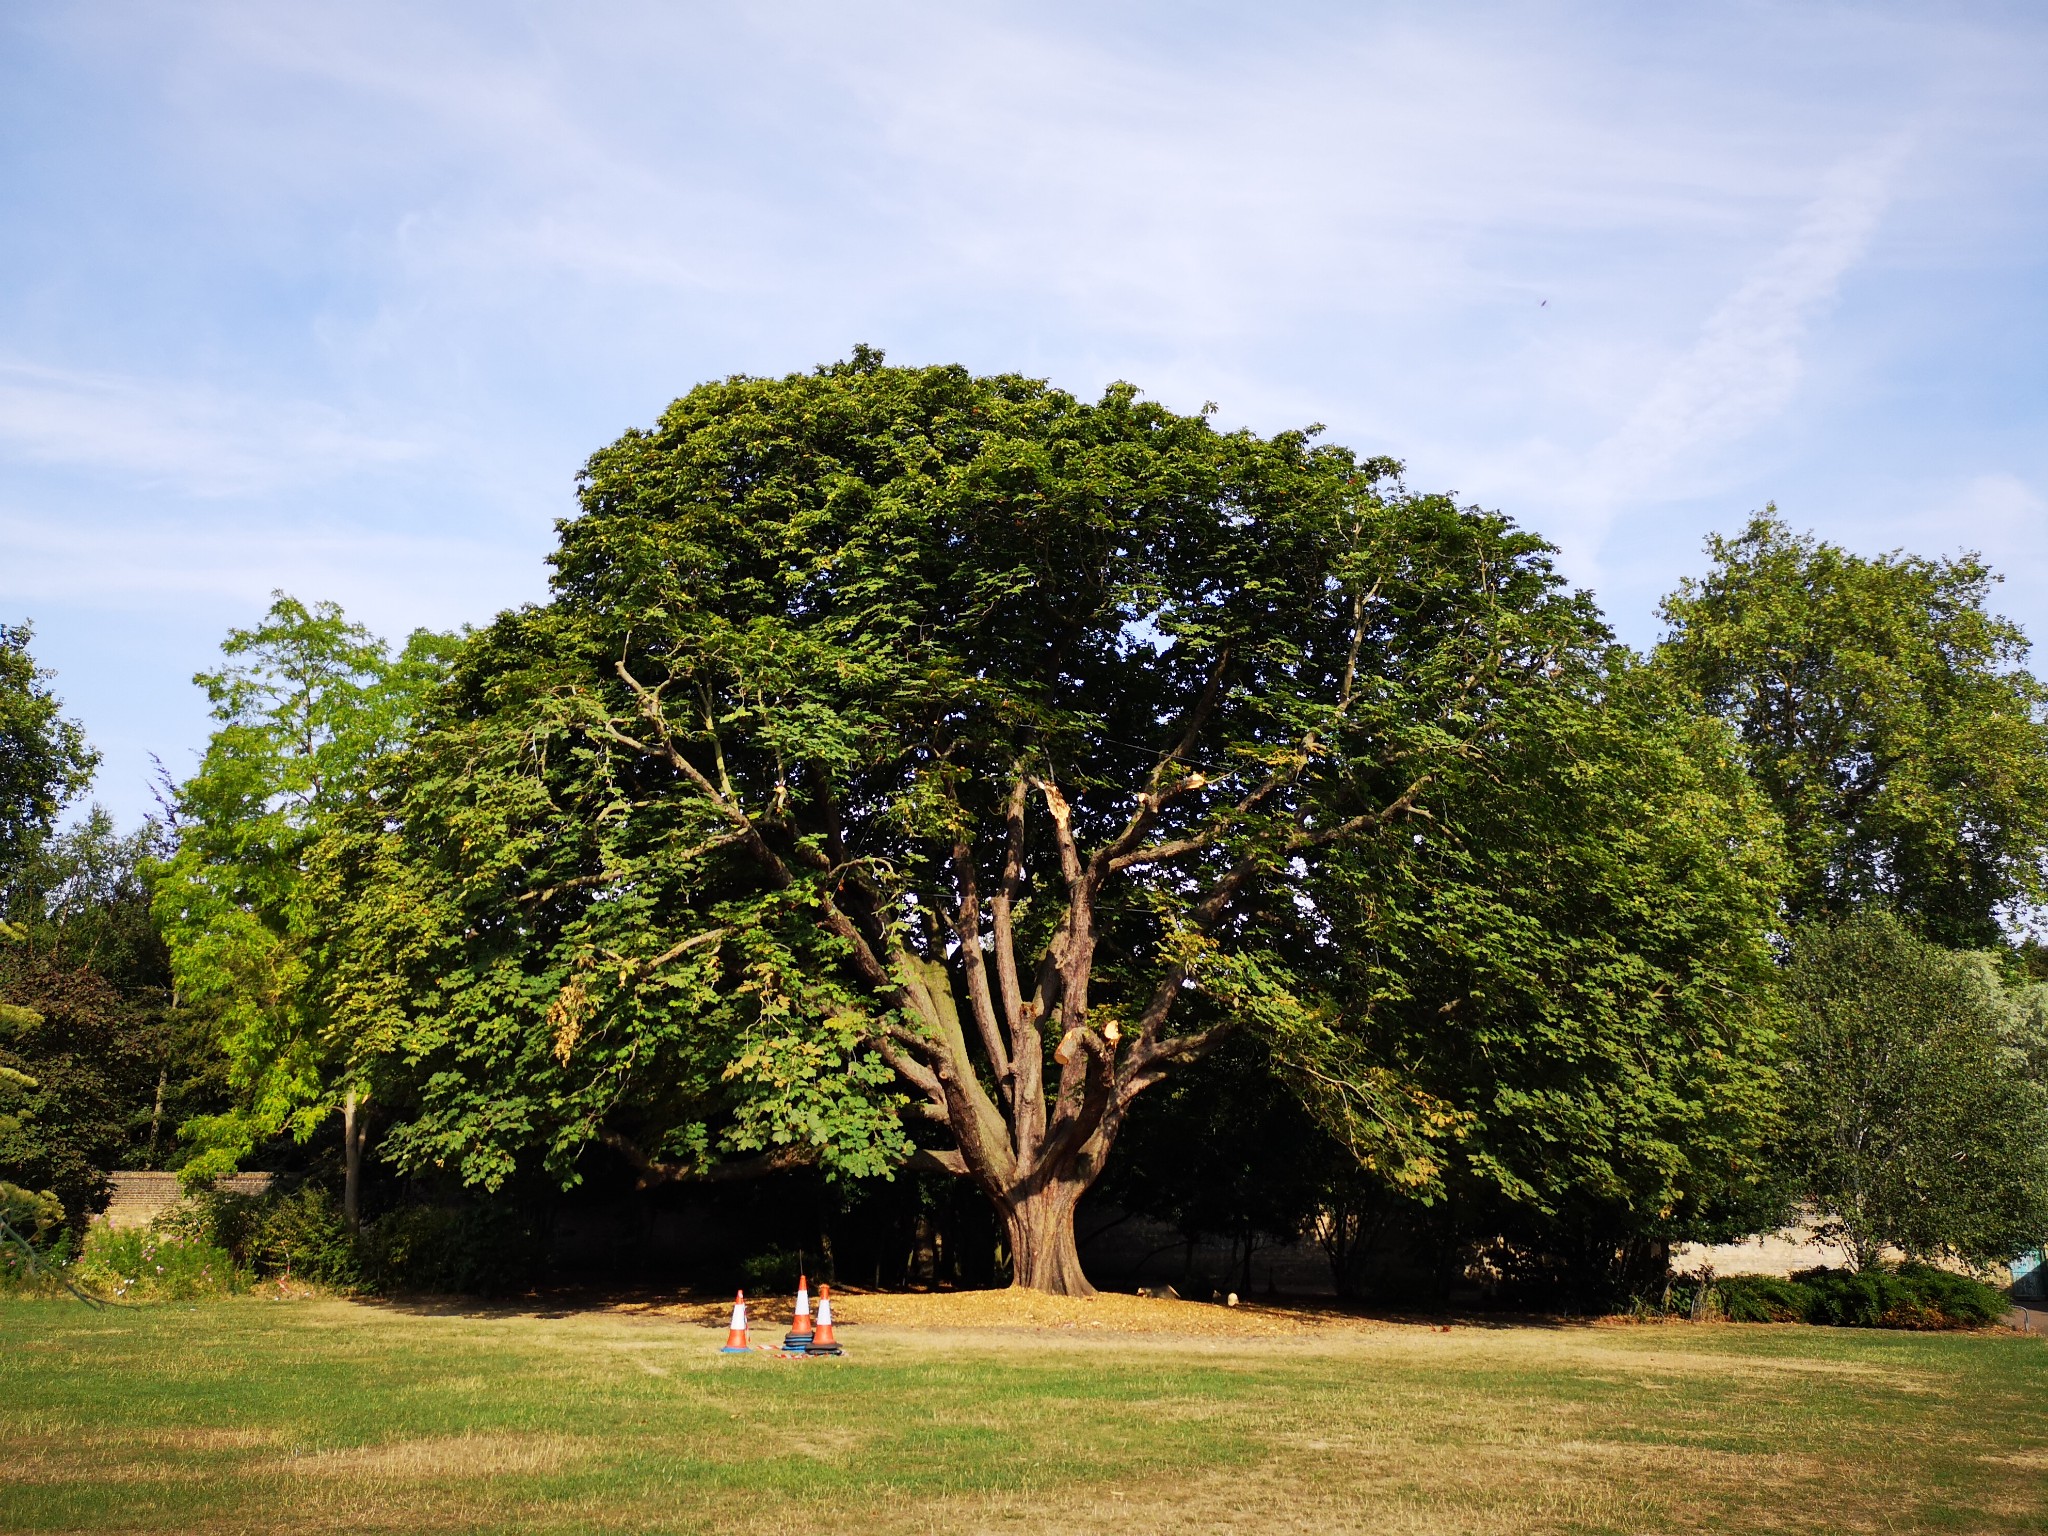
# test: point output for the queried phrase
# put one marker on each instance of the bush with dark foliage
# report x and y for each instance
(1916, 1296)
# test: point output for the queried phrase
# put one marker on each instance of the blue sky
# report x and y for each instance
(336, 298)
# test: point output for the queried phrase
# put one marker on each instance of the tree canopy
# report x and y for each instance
(915, 764)
(1883, 709)
(44, 758)
(912, 770)
(1575, 959)
(305, 705)
(75, 1065)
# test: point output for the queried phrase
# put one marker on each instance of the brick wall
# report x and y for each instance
(139, 1197)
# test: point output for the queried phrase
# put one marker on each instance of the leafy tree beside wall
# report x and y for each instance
(65, 1045)
(304, 706)
(74, 1063)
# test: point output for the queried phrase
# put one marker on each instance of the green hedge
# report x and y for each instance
(220, 1241)
(1911, 1296)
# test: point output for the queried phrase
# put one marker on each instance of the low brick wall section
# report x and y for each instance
(139, 1197)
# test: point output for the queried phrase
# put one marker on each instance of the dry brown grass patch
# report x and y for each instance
(129, 1456)
(439, 1458)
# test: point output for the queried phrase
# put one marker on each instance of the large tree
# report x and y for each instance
(1573, 961)
(1883, 708)
(905, 745)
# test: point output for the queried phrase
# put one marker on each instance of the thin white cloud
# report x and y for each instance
(904, 157)
(394, 580)
(1747, 361)
(1997, 505)
(191, 438)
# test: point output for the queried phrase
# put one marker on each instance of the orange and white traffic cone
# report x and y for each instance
(736, 1335)
(824, 1341)
(799, 1335)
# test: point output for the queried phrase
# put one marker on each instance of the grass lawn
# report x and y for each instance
(260, 1416)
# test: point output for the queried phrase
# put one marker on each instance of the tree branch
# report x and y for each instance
(967, 925)
(1001, 904)
(926, 1160)
(654, 1172)
(649, 700)
(1401, 805)
(1087, 1093)
(677, 951)
(1157, 792)
(1223, 822)
(1148, 1061)
(889, 1047)
(1124, 853)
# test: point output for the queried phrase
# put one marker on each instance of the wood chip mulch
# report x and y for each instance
(1108, 1312)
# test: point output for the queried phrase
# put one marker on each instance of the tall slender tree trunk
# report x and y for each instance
(352, 1129)
(163, 1077)
(156, 1115)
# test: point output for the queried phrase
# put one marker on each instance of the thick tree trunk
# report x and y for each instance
(1043, 1255)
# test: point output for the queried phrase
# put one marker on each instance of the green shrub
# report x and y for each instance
(1860, 1298)
(1912, 1296)
(40, 1242)
(225, 1218)
(298, 1233)
(151, 1263)
(1764, 1299)
(463, 1250)
(303, 1234)
(37, 1272)
(1964, 1302)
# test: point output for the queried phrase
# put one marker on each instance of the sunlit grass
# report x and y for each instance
(269, 1417)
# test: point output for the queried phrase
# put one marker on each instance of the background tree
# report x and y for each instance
(1573, 960)
(902, 743)
(58, 1123)
(74, 1062)
(81, 904)
(1916, 1116)
(44, 759)
(1883, 709)
(305, 705)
